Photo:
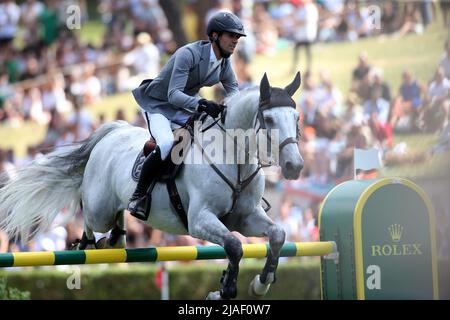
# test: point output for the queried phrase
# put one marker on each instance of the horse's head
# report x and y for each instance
(277, 111)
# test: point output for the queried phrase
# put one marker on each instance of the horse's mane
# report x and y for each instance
(243, 97)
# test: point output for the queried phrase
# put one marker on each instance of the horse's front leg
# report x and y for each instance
(258, 224)
(205, 225)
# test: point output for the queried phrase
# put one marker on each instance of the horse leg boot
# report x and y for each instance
(87, 241)
(118, 235)
(228, 290)
(233, 249)
(139, 200)
(261, 283)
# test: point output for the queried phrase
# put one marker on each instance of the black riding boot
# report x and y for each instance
(150, 168)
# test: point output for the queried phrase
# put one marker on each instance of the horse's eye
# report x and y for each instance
(269, 121)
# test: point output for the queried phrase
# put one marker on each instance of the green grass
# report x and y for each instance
(418, 53)
(436, 166)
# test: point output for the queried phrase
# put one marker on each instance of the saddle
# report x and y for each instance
(169, 172)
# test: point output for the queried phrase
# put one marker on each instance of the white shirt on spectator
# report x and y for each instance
(307, 17)
(439, 90)
(144, 60)
(382, 109)
(9, 18)
(30, 12)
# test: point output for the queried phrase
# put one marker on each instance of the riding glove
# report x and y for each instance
(210, 107)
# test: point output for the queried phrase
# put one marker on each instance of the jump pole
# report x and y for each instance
(178, 253)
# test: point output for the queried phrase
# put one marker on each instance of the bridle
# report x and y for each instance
(278, 101)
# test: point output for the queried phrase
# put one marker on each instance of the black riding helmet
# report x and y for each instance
(225, 21)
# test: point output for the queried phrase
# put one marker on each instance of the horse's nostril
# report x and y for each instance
(289, 166)
(294, 167)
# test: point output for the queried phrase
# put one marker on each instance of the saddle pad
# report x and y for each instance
(137, 167)
(168, 168)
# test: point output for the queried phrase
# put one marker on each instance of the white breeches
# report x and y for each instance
(160, 129)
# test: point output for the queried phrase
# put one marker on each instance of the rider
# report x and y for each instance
(172, 96)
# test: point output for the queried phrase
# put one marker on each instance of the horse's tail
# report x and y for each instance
(31, 201)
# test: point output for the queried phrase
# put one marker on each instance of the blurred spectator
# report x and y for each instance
(376, 113)
(412, 20)
(377, 83)
(330, 13)
(30, 12)
(144, 61)
(353, 113)
(306, 18)
(354, 23)
(355, 139)
(306, 102)
(445, 60)
(445, 8)
(407, 105)
(32, 107)
(80, 121)
(48, 19)
(328, 97)
(265, 31)
(120, 115)
(309, 230)
(84, 85)
(6, 90)
(289, 223)
(390, 17)
(242, 70)
(54, 239)
(360, 77)
(54, 130)
(53, 95)
(284, 17)
(426, 11)
(437, 103)
(9, 19)
(32, 68)
(149, 17)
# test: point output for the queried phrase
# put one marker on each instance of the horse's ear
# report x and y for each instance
(264, 88)
(291, 88)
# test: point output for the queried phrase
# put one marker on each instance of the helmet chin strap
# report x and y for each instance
(224, 54)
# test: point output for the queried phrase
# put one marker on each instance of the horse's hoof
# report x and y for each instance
(214, 296)
(257, 289)
(101, 243)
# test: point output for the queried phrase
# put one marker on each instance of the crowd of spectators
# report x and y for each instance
(48, 76)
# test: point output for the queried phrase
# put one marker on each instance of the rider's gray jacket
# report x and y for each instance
(176, 87)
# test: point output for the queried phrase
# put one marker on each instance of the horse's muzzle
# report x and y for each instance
(291, 170)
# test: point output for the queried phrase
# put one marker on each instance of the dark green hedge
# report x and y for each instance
(295, 280)
(137, 281)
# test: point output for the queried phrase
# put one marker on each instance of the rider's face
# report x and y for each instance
(229, 41)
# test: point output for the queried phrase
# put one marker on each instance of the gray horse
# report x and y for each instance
(218, 197)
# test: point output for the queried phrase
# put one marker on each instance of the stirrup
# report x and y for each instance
(139, 208)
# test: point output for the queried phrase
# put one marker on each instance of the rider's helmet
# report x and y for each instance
(225, 21)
